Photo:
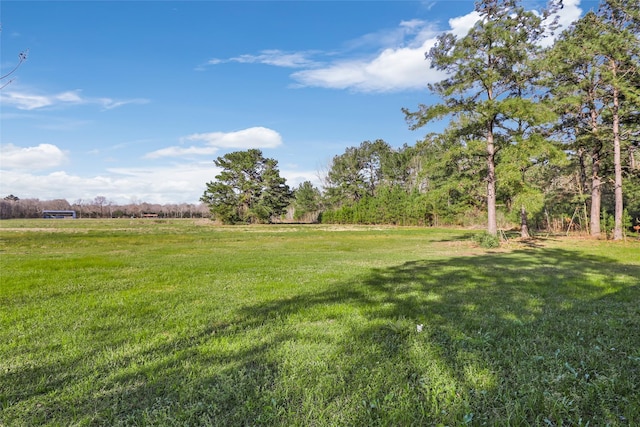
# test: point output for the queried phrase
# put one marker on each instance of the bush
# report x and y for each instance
(486, 240)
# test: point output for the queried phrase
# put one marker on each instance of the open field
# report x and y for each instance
(153, 322)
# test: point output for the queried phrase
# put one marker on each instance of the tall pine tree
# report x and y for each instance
(594, 79)
(483, 93)
(620, 53)
(576, 89)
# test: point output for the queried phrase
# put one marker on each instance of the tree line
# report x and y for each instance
(540, 136)
(100, 207)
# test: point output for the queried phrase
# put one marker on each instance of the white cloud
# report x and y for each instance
(273, 57)
(181, 183)
(296, 177)
(569, 13)
(25, 100)
(393, 69)
(399, 63)
(566, 16)
(254, 137)
(109, 104)
(408, 33)
(177, 184)
(71, 96)
(461, 25)
(43, 156)
(428, 5)
(176, 151)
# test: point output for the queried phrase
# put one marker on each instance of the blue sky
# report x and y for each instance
(133, 100)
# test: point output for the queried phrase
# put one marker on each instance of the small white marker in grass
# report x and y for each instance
(419, 328)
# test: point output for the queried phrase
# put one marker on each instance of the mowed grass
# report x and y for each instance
(143, 322)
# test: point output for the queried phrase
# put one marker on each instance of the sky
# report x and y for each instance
(133, 100)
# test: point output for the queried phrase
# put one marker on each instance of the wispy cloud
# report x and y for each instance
(428, 5)
(211, 142)
(25, 100)
(411, 33)
(40, 157)
(273, 57)
(110, 104)
(384, 61)
(176, 151)
(397, 62)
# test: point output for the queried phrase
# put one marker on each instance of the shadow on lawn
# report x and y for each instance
(536, 336)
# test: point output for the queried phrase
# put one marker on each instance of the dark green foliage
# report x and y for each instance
(632, 196)
(392, 205)
(357, 172)
(249, 189)
(307, 200)
(543, 137)
(594, 78)
(487, 91)
(486, 240)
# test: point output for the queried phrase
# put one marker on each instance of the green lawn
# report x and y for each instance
(145, 322)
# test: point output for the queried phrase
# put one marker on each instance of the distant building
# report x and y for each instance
(51, 214)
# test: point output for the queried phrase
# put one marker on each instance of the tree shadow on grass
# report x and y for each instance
(536, 335)
(529, 337)
(542, 336)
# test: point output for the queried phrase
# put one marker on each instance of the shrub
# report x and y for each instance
(486, 240)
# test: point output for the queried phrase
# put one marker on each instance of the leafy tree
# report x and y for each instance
(249, 188)
(450, 163)
(526, 171)
(307, 199)
(487, 69)
(397, 167)
(356, 173)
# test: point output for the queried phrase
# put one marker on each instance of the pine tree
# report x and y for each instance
(576, 89)
(249, 188)
(620, 52)
(487, 69)
(594, 80)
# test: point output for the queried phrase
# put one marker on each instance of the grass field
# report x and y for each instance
(144, 322)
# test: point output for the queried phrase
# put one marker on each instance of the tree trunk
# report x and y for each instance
(617, 229)
(595, 194)
(594, 225)
(492, 223)
(524, 229)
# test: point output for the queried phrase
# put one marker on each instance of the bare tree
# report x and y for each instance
(22, 56)
(100, 202)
